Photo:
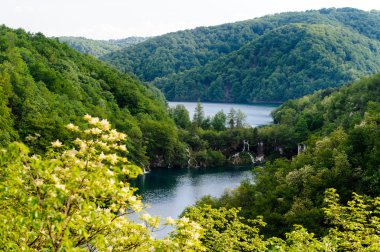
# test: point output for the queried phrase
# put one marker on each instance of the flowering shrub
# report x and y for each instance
(77, 198)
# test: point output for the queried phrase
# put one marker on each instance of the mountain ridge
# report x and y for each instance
(162, 57)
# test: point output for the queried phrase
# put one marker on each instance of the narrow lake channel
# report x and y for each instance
(169, 191)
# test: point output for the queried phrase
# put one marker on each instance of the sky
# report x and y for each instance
(115, 19)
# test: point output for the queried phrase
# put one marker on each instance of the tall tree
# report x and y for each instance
(218, 122)
(231, 118)
(240, 119)
(199, 114)
(180, 115)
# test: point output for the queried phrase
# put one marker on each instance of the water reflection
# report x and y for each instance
(169, 191)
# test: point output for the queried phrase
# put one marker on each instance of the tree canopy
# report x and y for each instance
(273, 58)
(99, 48)
(45, 85)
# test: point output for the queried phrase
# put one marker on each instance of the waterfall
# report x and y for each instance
(301, 148)
(236, 156)
(246, 143)
(260, 152)
(145, 169)
(252, 158)
(260, 149)
(279, 149)
(191, 158)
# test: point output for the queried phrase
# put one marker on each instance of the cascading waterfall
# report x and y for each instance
(246, 143)
(260, 152)
(236, 156)
(189, 165)
(301, 148)
(145, 169)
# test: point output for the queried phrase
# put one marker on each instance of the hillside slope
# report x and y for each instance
(99, 48)
(165, 58)
(340, 129)
(285, 63)
(45, 85)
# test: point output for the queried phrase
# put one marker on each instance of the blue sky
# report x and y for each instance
(112, 19)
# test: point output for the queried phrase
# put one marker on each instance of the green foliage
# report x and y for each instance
(225, 230)
(218, 121)
(236, 118)
(341, 131)
(45, 85)
(199, 115)
(77, 199)
(354, 227)
(99, 48)
(357, 224)
(181, 116)
(297, 59)
(273, 58)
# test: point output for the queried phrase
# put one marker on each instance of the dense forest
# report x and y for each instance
(99, 48)
(45, 85)
(340, 136)
(238, 62)
(74, 131)
(288, 62)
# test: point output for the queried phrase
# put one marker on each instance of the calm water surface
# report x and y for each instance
(257, 114)
(169, 191)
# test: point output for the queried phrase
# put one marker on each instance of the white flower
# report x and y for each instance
(112, 158)
(122, 147)
(72, 127)
(93, 120)
(95, 131)
(145, 217)
(56, 144)
(132, 198)
(185, 219)
(109, 172)
(122, 136)
(60, 186)
(38, 182)
(104, 124)
(55, 178)
(170, 221)
(102, 156)
(87, 117)
(71, 153)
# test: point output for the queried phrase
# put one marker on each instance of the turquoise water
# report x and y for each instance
(169, 191)
(257, 114)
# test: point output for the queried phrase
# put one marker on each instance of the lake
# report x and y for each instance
(257, 114)
(169, 191)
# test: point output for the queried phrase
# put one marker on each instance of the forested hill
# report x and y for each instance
(285, 63)
(99, 48)
(340, 129)
(44, 85)
(165, 59)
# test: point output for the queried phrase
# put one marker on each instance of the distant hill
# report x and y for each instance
(248, 61)
(284, 63)
(99, 48)
(44, 85)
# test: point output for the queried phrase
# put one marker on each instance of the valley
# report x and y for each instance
(258, 135)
